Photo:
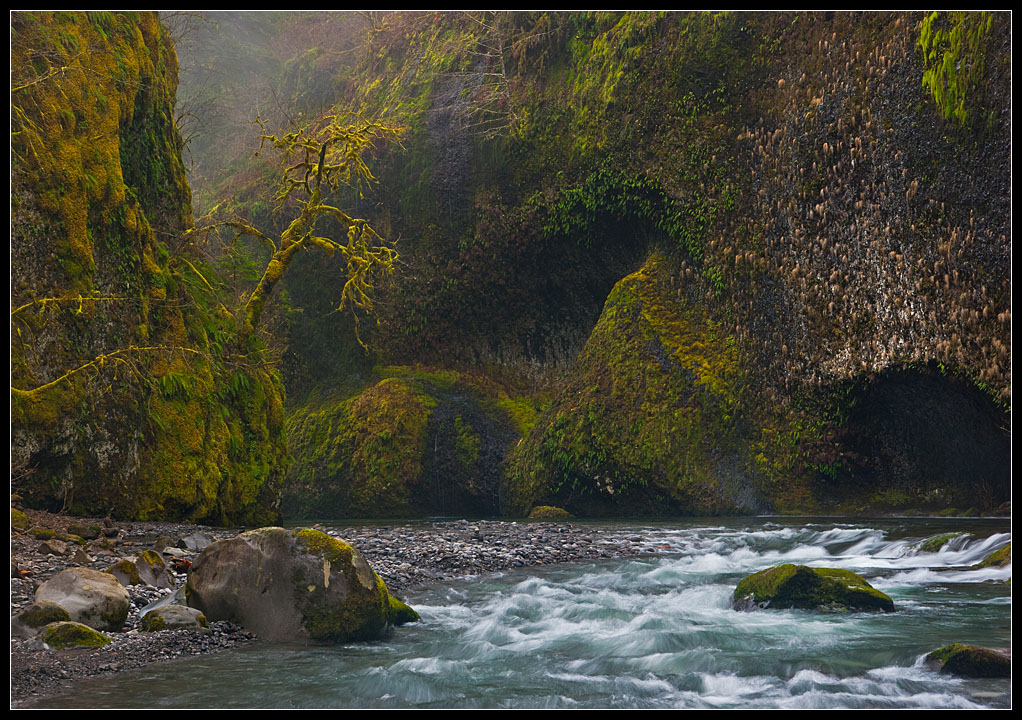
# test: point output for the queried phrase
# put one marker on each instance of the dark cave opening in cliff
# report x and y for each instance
(925, 438)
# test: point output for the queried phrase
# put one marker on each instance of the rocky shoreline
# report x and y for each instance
(405, 555)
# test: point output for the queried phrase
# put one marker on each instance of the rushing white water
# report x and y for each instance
(653, 632)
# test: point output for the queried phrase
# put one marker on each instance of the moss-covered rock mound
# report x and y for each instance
(972, 661)
(652, 419)
(549, 512)
(416, 443)
(67, 635)
(806, 588)
(291, 585)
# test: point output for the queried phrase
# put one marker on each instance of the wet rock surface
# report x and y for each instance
(404, 555)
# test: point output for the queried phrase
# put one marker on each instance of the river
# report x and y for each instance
(648, 632)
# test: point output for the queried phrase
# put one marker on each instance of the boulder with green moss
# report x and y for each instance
(69, 634)
(399, 613)
(971, 661)
(19, 521)
(998, 558)
(126, 572)
(290, 585)
(549, 512)
(37, 615)
(90, 597)
(148, 568)
(935, 543)
(806, 588)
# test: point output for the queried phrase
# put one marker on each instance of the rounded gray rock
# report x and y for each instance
(90, 597)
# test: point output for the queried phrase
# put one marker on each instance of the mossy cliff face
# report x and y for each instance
(416, 443)
(828, 206)
(121, 404)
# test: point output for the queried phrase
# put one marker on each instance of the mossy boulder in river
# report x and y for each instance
(802, 587)
(971, 661)
(998, 558)
(290, 585)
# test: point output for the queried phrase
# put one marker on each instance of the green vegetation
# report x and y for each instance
(954, 53)
(934, 544)
(118, 335)
(648, 260)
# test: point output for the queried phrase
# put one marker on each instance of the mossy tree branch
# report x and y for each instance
(315, 162)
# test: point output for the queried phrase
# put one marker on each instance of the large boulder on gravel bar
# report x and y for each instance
(807, 588)
(90, 597)
(290, 585)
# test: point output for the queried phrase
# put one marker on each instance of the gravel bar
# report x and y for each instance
(406, 556)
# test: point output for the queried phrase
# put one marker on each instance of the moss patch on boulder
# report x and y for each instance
(935, 543)
(125, 571)
(806, 588)
(399, 613)
(42, 613)
(19, 521)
